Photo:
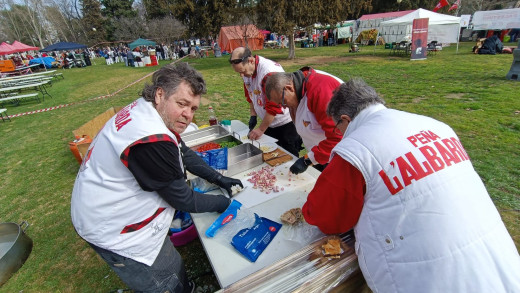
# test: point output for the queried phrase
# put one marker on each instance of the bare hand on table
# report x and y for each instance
(255, 134)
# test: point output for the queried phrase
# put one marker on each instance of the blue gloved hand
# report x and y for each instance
(252, 122)
(227, 183)
(300, 165)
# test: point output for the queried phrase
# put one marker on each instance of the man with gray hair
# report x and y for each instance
(133, 179)
(422, 217)
(306, 93)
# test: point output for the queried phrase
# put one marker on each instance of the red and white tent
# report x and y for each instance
(442, 28)
(21, 47)
(6, 49)
(373, 21)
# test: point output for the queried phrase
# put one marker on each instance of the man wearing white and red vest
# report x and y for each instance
(132, 180)
(306, 93)
(276, 122)
(422, 217)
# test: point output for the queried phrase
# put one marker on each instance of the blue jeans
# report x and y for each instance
(166, 274)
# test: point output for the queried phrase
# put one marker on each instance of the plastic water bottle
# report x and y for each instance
(212, 116)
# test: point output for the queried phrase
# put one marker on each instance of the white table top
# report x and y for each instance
(228, 264)
(22, 81)
(19, 87)
(28, 75)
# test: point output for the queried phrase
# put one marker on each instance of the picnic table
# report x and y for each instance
(4, 115)
(20, 70)
(9, 82)
(272, 45)
(11, 93)
(48, 72)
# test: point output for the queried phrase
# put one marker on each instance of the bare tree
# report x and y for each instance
(129, 28)
(12, 25)
(166, 29)
(470, 6)
(63, 14)
(242, 16)
(286, 15)
(33, 17)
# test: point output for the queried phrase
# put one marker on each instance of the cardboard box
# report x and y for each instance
(92, 128)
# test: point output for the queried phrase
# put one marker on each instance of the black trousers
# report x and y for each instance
(287, 137)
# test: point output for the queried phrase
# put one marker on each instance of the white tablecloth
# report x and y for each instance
(228, 264)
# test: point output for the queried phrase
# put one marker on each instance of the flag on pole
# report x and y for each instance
(455, 5)
(441, 4)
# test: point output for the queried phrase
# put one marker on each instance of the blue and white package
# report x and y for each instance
(204, 156)
(217, 158)
(227, 216)
(185, 221)
(251, 242)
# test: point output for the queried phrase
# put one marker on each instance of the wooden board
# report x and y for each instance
(276, 157)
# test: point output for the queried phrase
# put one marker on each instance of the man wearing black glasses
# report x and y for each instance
(306, 93)
(276, 121)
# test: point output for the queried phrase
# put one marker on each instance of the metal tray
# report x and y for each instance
(243, 157)
(227, 138)
(204, 135)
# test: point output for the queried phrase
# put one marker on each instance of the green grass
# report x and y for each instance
(467, 91)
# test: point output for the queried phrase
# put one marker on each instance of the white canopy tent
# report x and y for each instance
(345, 29)
(496, 19)
(373, 21)
(441, 27)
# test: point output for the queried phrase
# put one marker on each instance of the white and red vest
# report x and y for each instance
(428, 223)
(109, 209)
(255, 92)
(318, 88)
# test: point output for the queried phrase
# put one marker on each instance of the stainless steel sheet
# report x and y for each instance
(204, 135)
(243, 157)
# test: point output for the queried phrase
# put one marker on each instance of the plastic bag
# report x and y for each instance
(225, 218)
(247, 232)
(252, 241)
(217, 159)
(201, 185)
(181, 221)
(300, 232)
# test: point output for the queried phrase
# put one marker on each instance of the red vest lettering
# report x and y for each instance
(431, 156)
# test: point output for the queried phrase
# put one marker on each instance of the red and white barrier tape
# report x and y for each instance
(88, 100)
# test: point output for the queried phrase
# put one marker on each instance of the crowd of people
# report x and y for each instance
(423, 219)
(119, 54)
(62, 59)
(176, 50)
(319, 38)
(125, 55)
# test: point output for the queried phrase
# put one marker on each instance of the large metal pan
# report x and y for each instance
(15, 247)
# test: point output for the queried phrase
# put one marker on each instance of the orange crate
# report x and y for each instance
(6, 65)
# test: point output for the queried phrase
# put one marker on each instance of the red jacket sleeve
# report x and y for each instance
(319, 93)
(336, 201)
(273, 108)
